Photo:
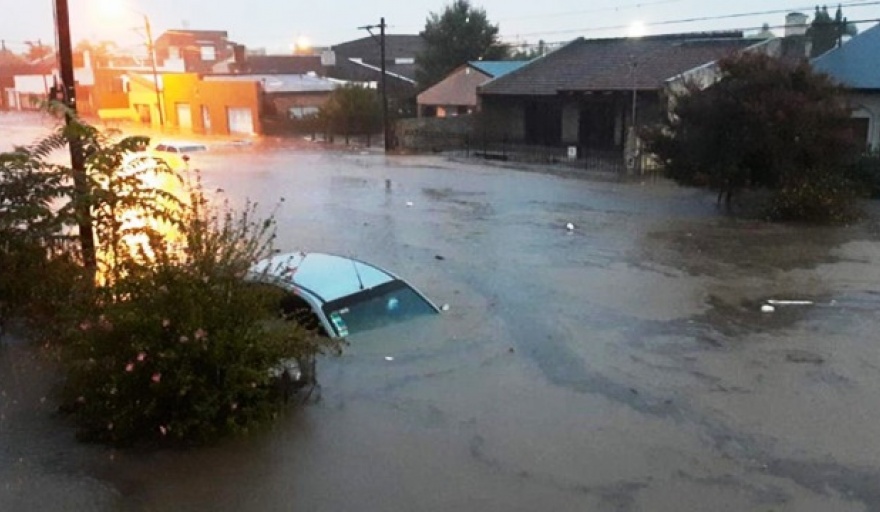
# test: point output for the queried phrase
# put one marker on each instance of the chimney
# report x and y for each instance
(795, 24)
(240, 58)
(795, 45)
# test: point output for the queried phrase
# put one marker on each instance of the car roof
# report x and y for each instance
(326, 276)
(182, 146)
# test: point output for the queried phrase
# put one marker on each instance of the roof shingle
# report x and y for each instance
(616, 64)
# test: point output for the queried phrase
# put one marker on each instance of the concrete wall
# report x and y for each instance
(434, 133)
(502, 116)
(571, 115)
(215, 96)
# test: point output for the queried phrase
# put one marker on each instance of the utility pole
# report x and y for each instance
(151, 49)
(383, 87)
(77, 158)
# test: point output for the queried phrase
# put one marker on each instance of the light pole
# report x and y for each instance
(77, 158)
(151, 49)
(369, 28)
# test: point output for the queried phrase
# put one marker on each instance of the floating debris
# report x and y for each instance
(569, 226)
(776, 302)
(767, 308)
(389, 358)
(444, 307)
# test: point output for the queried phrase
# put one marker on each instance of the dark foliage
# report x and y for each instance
(764, 123)
(462, 33)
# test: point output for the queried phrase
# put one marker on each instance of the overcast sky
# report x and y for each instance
(276, 24)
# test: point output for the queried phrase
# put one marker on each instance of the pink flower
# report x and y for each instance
(163, 430)
(129, 367)
(233, 405)
(184, 339)
(110, 426)
(166, 322)
(156, 377)
(200, 334)
(141, 356)
(85, 325)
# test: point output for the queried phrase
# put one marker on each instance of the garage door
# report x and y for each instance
(241, 121)
(184, 116)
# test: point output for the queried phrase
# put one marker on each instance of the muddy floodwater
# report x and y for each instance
(623, 365)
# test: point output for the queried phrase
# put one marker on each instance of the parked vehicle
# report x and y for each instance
(336, 297)
(176, 154)
(340, 296)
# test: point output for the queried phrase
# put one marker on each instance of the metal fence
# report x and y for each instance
(465, 146)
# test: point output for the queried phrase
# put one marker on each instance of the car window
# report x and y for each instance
(370, 309)
(161, 147)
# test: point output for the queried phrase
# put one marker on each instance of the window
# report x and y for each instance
(209, 53)
(302, 112)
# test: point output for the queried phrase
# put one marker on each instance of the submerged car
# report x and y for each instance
(176, 154)
(340, 296)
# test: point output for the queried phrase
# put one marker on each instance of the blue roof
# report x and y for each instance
(854, 64)
(496, 68)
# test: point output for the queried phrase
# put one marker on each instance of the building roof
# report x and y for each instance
(367, 48)
(280, 83)
(457, 88)
(617, 64)
(497, 68)
(854, 64)
(283, 64)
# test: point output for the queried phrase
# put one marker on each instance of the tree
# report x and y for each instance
(37, 50)
(764, 123)
(352, 110)
(529, 52)
(826, 33)
(461, 34)
(100, 53)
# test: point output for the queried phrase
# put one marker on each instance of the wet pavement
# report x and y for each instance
(621, 366)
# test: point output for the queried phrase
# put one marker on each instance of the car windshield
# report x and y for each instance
(386, 304)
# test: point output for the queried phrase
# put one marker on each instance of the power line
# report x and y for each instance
(589, 11)
(855, 4)
(736, 29)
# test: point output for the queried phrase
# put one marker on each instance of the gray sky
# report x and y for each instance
(276, 24)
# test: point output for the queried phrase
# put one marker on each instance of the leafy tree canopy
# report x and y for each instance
(825, 32)
(461, 34)
(763, 123)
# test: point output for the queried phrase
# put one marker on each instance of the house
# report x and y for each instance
(193, 51)
(360, 61)
(273, 65)
(285, 99)
(855, 65)
(217, 107)
(590, 93)
(457, 93)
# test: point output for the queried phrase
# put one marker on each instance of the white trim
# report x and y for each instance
(374, 68)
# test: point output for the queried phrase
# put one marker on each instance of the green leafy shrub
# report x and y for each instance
(178, 348)
(866, 171)
(163, 342)
(815, 197)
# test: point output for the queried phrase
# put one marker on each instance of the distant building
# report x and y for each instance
(854, 65)
(197, 50)
(457, 93)
(360, 61)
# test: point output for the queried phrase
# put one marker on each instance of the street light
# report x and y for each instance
(381, 40)
(151, 49)
(113, 9)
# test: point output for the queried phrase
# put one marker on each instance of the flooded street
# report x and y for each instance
(624, 365)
